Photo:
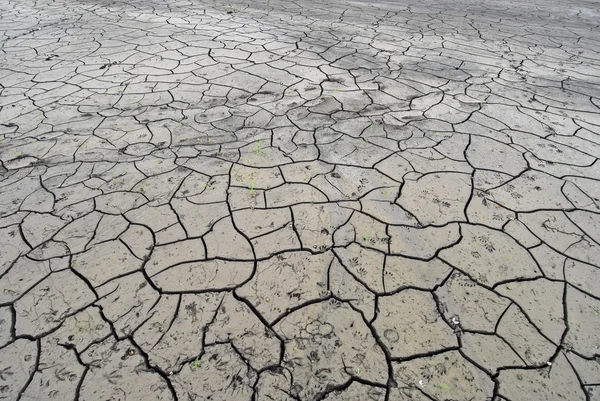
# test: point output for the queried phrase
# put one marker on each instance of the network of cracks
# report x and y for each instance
(299, 200)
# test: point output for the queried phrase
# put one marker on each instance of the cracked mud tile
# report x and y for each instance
(489, 256)
(317, 224)
(174, 333)
(219, 373)
(287, 281)
(561, 234)
(255, 223)
(173, 254)
(415, 330)
(422, 243)
(475, 307)
(81, 330)
(531, 191)
(430, 161)
(19, 361)
(380, 205)
(105, 261)
(46, 305)
(551, 262)
(582, 276)
(554, 382)
(365, 265)
(116, 369)
(345, 286)
(201, 276)
(6, 324)
(481, 210)
(275, 385)
(22, 276)
(284, 239)
(13, 246)
(236, 323)
(38, 228)
(57, 375)
(442, 376)
(290, 194)
(198, 219)
(524, 338)
(347, 182)
(363, 230)
(357, 391)
(436, 198)
(400, 272)
(582, 319)
(489, 154)
(326, 344)
(489, 351)
(542, 300)
(225, 241)
(127, 301)
(521, 234)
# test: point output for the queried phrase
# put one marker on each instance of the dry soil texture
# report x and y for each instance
(299, 200)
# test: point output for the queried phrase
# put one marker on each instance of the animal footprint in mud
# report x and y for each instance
(516, 195)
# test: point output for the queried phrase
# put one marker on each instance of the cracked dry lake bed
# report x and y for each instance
(309, 200)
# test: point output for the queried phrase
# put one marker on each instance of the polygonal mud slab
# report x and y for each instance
(445, 375)
(475, 307)
(286, 282)
(328, 343)
(437, 198)
(410, 324)
(555, 382)
(119, 370)
(489, 256)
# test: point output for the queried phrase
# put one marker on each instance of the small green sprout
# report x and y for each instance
(195, 366)
(251, 189)
(258, 146)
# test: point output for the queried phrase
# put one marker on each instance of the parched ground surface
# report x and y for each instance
(309, 200)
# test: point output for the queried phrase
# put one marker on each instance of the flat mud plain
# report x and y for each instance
(299, 200)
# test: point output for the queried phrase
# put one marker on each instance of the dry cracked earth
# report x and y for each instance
(299, 200)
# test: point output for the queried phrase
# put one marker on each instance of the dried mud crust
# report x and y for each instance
(299, 200)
